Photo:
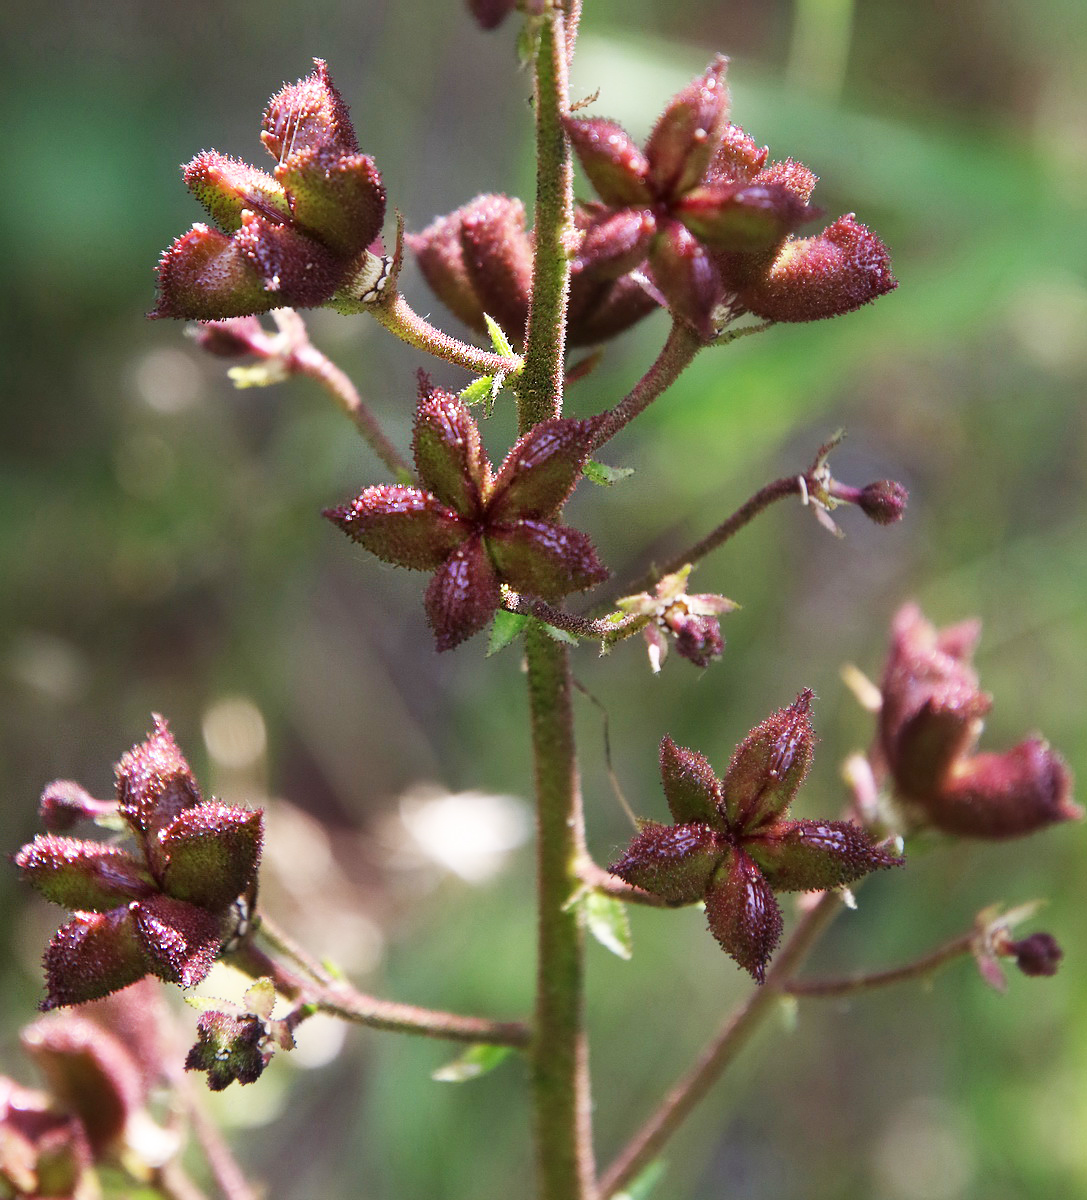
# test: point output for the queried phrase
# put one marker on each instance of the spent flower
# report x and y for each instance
(689, 619)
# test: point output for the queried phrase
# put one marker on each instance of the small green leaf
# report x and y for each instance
(475, 1061)
(478, 390)
(602, 474)
(506, 628)
(606, 919)
(558, 635)
(645, 1183)
(498, 339)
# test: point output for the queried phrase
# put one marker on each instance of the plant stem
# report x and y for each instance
(736, 1032)
(560, 1072)
(229, 1178)
(919, 969)
(398, 317)
(599, 880)
(676, 355)
(539, 390)
(308, 360)
(602, 630)
(780, 489)
(340, 999)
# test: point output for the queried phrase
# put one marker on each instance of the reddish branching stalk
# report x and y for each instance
(721, 1051)
(399, 318)
(340, 999)
(676, 355)
(921, 968)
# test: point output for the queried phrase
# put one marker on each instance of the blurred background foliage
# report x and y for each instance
(160, 549)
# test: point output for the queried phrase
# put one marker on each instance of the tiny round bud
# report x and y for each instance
(698, 639)
(884, 501)
(1039, 954)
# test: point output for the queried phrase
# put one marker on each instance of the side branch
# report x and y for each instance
(676, 355)
(921, 968)
(733, 1036)
(340, 999)
(398, 317)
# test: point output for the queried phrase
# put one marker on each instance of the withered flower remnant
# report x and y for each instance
(690, 619)
(164, 908)
(715, 224)
(733, 844)
(929, 725)
(478, 260)
(474, 528)
(294, 238)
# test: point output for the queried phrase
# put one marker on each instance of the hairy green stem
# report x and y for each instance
(540, 388)
(733, 1036)
(338, 998)
(920, 968)
(398, 317)
(676, 355)
(560, 1071)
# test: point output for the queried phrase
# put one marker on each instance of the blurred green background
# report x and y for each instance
(160, 549)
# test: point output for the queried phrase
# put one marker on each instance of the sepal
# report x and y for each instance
(463, 595)
(226, 187)
(180, 941)
(449, 452)
(204, 276)
(401, 525)
(308, 114)
(90, 956)
(85, 876)
(616, 168)
(212, 854)
(675, 862)
(340, 201)
(808, 856)
(544, 559)
(541, 470)
(743, 915)
(689, 131)
(691, 788)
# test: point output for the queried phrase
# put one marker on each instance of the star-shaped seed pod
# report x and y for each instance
(296, 237)
(163, 908)
(715, 224)
(474, 528)
(930, 721)
(733, 844)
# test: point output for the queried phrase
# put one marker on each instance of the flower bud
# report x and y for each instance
(64, 804)
(308, 114)
(884, 501)
(1038, 954)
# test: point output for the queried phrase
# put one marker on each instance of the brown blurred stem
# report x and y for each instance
(340, 999)
(398, 317)
(733, 1036)
(603, 630)
(921, 968)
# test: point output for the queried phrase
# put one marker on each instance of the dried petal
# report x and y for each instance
(341, 201)
(689, 132)
(691, 788)
(616, 168)
(543, 559)
(463, 595)
(212, 853)
(401, 525)
(92, 955)
(540, 472)
(308, 114)
(675, 862)
(179, 939)
(743, 914)
(448, 451)
(769, 765)
(87, 876)
(838, 271)
(808, 856)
